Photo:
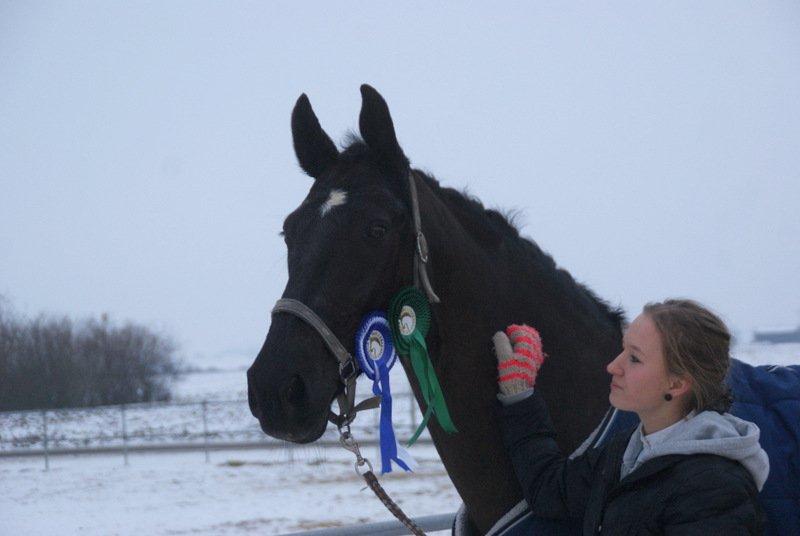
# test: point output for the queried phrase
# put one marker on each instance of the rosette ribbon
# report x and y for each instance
(410, 319)
(376, 355)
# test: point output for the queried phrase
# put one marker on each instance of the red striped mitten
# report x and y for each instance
(519, 357)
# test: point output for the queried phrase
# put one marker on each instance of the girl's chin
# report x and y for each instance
(614, 401)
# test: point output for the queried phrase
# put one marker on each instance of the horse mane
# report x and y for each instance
(493, 229)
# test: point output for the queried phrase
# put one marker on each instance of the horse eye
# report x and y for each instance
(377, 230)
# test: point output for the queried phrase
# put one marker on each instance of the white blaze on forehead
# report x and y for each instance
(337, 197)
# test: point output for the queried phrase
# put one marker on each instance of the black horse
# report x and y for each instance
(350, 249)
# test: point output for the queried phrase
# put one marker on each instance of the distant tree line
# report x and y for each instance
(52, 362)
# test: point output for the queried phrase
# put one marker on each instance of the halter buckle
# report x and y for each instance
(347, 370)
(422, 247)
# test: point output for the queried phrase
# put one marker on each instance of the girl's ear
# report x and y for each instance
(679, 385)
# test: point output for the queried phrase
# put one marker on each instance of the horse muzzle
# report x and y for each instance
(286, 408)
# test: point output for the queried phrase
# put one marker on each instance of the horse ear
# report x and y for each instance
(314, 149)
(377, 130)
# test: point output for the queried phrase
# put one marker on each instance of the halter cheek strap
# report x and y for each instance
(421, 251)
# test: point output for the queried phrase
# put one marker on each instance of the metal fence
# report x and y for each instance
(168, 426)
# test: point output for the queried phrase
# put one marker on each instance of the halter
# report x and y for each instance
(348, 367)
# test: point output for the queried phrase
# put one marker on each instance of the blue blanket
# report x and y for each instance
(770, 397)
(766, 395)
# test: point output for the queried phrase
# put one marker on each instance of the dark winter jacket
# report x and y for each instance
(704, 494)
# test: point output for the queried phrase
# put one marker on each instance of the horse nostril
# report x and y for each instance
(295, 391)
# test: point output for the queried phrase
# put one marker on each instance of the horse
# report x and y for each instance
(350, 247)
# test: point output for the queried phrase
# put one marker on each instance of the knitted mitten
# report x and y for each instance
(519, 357)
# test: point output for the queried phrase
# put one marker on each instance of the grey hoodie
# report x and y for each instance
(707, 432)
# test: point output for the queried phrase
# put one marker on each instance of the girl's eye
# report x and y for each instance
(634, 359)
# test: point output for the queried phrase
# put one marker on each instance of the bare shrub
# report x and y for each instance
(51, 362)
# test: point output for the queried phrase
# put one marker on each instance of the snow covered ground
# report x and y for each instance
(241, 492)
(238, 492)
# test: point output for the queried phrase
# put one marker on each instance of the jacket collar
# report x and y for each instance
(648, 468)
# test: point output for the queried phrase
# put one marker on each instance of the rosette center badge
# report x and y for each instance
(408, 320)
(376, 345)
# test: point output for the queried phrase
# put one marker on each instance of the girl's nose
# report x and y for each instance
(612, 368)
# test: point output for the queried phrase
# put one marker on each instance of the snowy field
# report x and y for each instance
(237, 492)
(241, 492)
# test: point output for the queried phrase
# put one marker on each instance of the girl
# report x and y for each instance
(687, 468)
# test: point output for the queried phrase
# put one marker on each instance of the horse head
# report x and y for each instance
(346, 244)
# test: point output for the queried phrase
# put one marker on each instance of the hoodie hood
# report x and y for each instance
(707, 432)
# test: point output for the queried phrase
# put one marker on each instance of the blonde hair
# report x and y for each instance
(696, 343)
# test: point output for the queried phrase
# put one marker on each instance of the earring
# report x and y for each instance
(667, 397)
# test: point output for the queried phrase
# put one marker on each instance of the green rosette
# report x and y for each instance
(410, 319)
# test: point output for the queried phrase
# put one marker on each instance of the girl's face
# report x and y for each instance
(639, 375)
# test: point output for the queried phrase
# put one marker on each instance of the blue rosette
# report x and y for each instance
(376, 356)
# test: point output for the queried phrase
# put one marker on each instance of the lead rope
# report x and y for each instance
(348, 442)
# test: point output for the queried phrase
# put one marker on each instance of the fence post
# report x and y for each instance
(46, 453)
(124, 433)
(205, 430)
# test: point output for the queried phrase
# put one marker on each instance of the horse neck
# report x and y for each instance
(482, 292)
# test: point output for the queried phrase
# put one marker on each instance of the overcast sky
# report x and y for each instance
(146, 158)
